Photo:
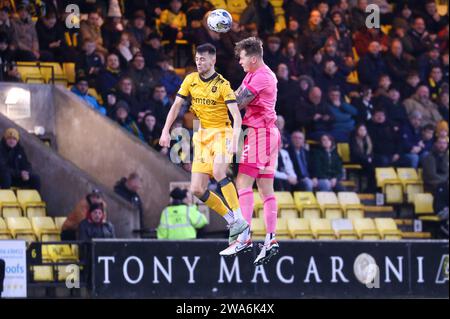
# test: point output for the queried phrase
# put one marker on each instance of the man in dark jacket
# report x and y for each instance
(15, 170)
(302, 163)
(386, 142)
(95, 225)
(52, 44)
(412, 138)
(371, 66)
(128, 189)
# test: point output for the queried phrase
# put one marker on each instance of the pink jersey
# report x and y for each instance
(261, 111)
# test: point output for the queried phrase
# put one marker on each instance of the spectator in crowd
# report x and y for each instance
(361, 152)
(89, 62)
(292, 32)
(173, 21)
(421, 102)
(81, 88)
(286, 95)
(364, 37)
(442, 103)
(128, 188)
(331, 53)
(314, 65)
(317, 116)
(8, 68)
(359, 15)
(293, 60)
(90, 29)
(123, 117)
(435, 82)
(52, 44)
(70, 226)
(342, 33)
(314, 34)
(152, 50)
(151, 130)
(112, 28)
(261, 13)
(435, 172)
(165, 72)
(428, 60)
(272, 54)
(411, 84)
(138, 29)
(411, 134)
(433, 20)
(25, 37)
(364, 105)
(417, 39)
(397, 66)
(428, 137)
(95, 225)
(6, 25)
(125, 49)
(395, 111)
(285, 137)
(302, 164)
(109, 76)
(331, 76)
(385, 140)
(297, 10)
(15, 169)
(160, 103)
(126, 92)
(180, 221)
(328, 165)
(343, 114)
(144, 80)
(371, 66)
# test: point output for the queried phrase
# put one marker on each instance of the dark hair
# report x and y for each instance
(334, 88)
(206, 48)
(252, 46)
(429, 127)
(379, 109)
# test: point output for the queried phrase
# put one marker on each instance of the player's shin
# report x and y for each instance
(213, 201)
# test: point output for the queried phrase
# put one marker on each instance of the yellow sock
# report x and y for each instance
(215, 203)
(230, 194)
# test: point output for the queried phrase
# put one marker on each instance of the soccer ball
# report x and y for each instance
(220, 21)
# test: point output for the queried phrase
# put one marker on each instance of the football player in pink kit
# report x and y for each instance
(258, 94)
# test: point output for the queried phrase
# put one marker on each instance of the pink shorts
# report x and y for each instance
(260, 152)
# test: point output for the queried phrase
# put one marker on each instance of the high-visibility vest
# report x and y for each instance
(180, 222)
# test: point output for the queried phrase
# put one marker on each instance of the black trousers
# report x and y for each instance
(7, 181)
(2, 275)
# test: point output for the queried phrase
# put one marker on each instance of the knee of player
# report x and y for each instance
(197, 190)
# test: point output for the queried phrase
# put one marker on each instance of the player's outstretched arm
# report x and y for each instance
(237, 125)
(243, 96)
(164, 141)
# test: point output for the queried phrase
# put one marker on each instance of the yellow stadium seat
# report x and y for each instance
(258, 228)
(351, 205)
(31, 202)
(59, 221)
(299, 228)
(58, 73)
(388, 228)
(423, 203)
(388, 180)
(60, 252)
(20, 228)
(344, 229)
(30, 73)
(64, 271)
(9, 207)
(366, 229)
(289, 213)
(282, 229)
(285, 201)
(45, 229)
(307, 205)
(69, 71)
(343, 150)
(329, 204)
(4, 232)
(412, 183)
(321, 229)
(43, 273)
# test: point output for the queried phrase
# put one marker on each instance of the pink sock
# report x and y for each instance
(270, 213)
(246, 202)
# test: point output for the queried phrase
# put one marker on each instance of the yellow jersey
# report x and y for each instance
(209, 99)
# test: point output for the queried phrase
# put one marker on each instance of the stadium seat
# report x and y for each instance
(289, 213)
(366, 229)
(344, 229)
(388, 229)
(30, 73)
(59, 252)
(423, 203)
(321, 229)
(9, 207)
(31, 202)
(282, 229)
(307, 205)
(43, 273)
(59, 221)
(285, 201)
(412, 183)
(299, 228)
(69, 71)
(329, 204)
(4, 232)
(45, 229)
(387, 179)
(20, 228)
(93, 92)
(351, 205)
(58, 73)
(258, 228)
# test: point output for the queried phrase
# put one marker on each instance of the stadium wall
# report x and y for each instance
(64, 184)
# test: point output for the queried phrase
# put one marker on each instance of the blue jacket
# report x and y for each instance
(89, 99)
(343, 117)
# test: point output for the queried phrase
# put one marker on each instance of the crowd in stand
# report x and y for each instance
(395, 114)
